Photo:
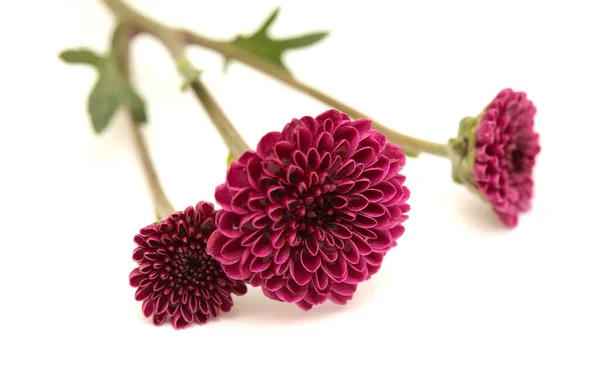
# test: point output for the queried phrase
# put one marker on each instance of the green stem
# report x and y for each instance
(232, 138)
(411, 144)
(175, 41)
(163, 207)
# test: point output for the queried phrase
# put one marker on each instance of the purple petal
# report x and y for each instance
(135, 277)
(304, 139)
(239, 203)
(344, 289)
(237, 176)
(259, 264)
(337, 270)
(299, 159)
(266, 145)
(321, 279)
(257, 202)
(275, 212)
(274, 283)
(232, 251)
(223, 196)
(282, 255)
(299, 273)
(143, 293)
(363, 247)
(374, 174)
(283, 151)
(346, 169)
(357, 202)
(350, 252)
(294, 174)
(373, 210)
(325, 142)
(310, 262)
(388, 190)
(255, 170)
(350, 134)
(311, 244)
(159, 319)
(339, 202)
(364, 221)
(382, 241)
(313, 297)
(273, 167)
(288, 296)
(365, 156)
(373, 195)
(148, 307)
(362, 125)
(325, 164)
(262, 247)
(339, 230)
(312, 159)
(229, 224)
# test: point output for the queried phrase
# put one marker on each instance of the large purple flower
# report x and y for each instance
(175, 277)
(313, 211)
(495, 154)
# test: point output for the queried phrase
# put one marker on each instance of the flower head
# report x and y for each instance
(495, 153)
(313, 211)
(175, 277)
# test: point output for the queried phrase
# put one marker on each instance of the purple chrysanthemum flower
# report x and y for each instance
(313, 211)
(495, 154)
(175, 277)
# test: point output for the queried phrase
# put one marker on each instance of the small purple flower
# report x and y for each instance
(495, 154)
(175, 277)
(311, 213)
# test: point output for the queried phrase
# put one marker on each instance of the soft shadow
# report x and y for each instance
(255, 307)
(476, 212)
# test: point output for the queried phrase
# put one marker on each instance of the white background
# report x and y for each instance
(461, 302)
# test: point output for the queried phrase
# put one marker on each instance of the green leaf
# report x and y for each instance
(81, 56)
(102, 104)
(271, 50)
(135, 103)
(110, 92)
(112, 89)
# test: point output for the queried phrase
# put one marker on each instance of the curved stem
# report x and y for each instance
(162, 205)
(232, 138)
(176, 40)
(411, 144)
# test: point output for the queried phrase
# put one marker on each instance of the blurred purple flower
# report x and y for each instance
(313, 211)
(495, 154)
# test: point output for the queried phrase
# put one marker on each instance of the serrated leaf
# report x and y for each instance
(81, 56)
(271, 50)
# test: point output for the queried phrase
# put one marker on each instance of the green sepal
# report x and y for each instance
(230, 159)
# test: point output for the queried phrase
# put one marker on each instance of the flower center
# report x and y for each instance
(312, 208)
(516, 161)
(192, 268)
